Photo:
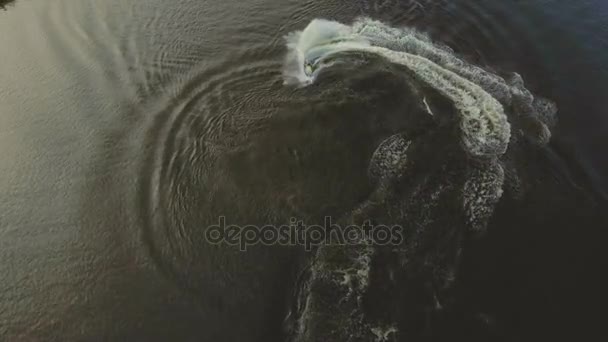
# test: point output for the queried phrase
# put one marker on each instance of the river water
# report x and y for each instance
(128, 126)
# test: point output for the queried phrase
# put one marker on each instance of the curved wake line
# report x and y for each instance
(478, 95)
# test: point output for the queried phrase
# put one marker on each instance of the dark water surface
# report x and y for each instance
(127, 126)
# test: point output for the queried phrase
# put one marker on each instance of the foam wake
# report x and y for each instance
(478, 95)
(440, 191)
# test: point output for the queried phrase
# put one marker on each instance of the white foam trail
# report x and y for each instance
(480, 99)
(478, 95)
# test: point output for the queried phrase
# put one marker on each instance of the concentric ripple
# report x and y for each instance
(199, 124)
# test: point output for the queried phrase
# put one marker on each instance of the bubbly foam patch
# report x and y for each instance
(389, 158)
(482, 191)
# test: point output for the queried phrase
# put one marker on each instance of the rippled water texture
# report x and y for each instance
(129, 126)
